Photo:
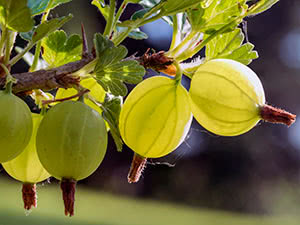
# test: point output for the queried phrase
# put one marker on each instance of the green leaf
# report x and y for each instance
(110, 56)
(195, 16)
(111, 85)
(37, 6)
(111, 71)
(149, 3)
(171, 7)
(139, 14)
(206, 3)
(133, 1)
(58, 49)
(261, 6)
(176, 6)
(136, 33)
(151, 8)
(40, 6)
(103, 8)
(46, 28)
(229, 46)
(27, 36)
(244, 54)
(111, 113)
(55, 3)
(128, 71)
(218, 14)
(101, 43)
(15, 15)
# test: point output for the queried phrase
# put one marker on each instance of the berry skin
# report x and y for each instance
(27, 168)
(155, 117)
(15, 126)
(154, 120)
(71, 140)
(71, 143)
(228, 99)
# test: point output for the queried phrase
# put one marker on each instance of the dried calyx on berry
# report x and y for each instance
(154, 120)
(71, 136)
(158, 61)
(228, 99)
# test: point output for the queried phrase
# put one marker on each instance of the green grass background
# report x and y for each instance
(97, 208)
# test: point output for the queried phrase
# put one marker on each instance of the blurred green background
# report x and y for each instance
(99, 208)
(249, 179)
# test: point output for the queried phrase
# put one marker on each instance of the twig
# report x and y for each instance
(79, 94)
(49, 79)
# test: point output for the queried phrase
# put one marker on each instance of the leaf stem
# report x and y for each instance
(79, 94)
(178, 75)
(151, 19)
(3, 38)
(15, 59)
(122, 36)
(192, 52)
(175, 39)
(36, 56)
(9, 79)
(39, 45)
(182, 44)
(93, 100)
(111, 18)
(10, 40)
(119, 13)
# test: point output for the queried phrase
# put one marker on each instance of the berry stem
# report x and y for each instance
(79, 94)
(137, 167)
(29, 196)
(275, 115)
(68, 187)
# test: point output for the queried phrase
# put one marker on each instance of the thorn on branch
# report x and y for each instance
(85, 48)
(59, 77)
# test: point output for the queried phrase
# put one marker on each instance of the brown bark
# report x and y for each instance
(49, 79)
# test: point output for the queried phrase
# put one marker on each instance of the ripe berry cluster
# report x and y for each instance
(69, 141)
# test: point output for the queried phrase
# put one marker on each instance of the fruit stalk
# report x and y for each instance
(29, 196)
(275, 115)
(136, 169)
(68, 191)
(79, 94)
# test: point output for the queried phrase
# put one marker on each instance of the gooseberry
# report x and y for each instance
(15, 125)
(227, 98)
(71, 143)
(27, 168)
(155, 119)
